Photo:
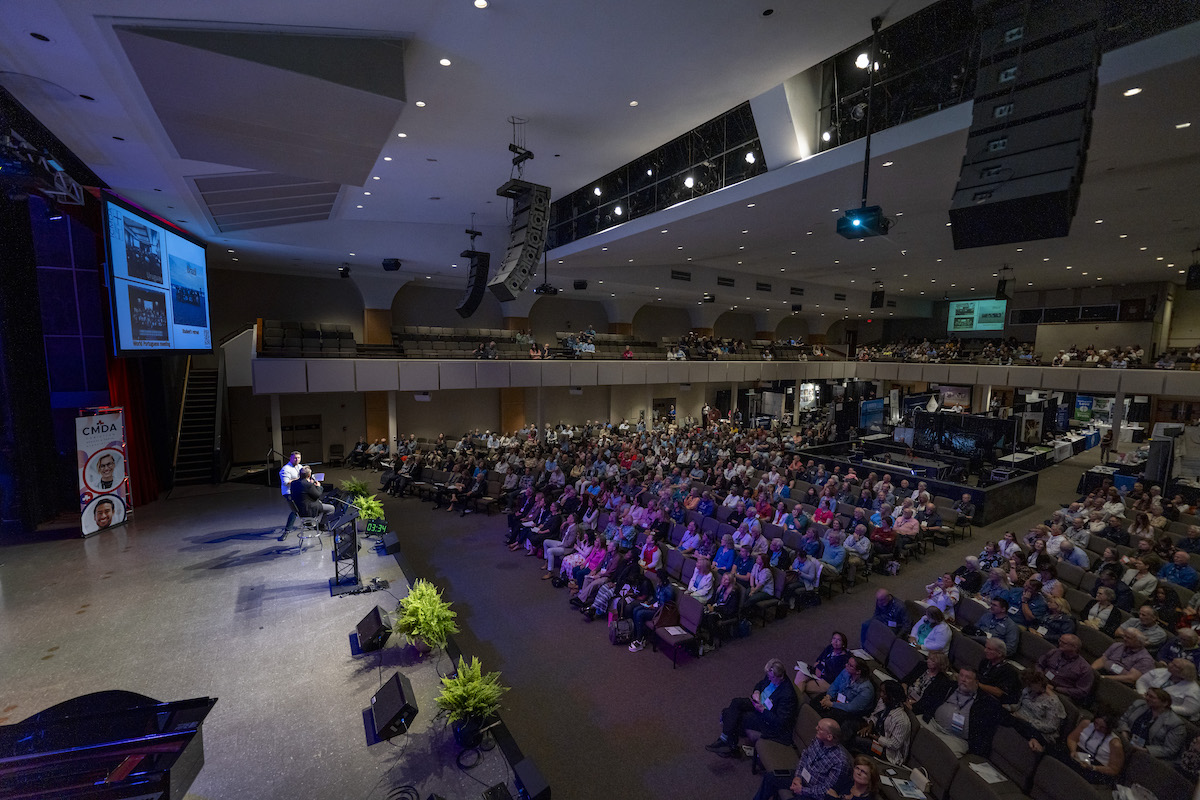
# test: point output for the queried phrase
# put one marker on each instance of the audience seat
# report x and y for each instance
(1054, 780)
(1012, 756)
(903, 658)
(1156, 775)
(966, 652)
(879, 640)
(1114, 697)
(968, 783)
(932, 755)
(690, 615)
(780, 758)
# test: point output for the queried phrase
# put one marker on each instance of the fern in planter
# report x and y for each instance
(470, 694)
(355, 488)
(369, 508)
(423, 615)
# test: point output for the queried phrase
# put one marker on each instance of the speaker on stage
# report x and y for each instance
(373, 630)
(394, 707)
(527, 237)
(476, 281)
(391, 543)
(1031, 123)
(530, 783)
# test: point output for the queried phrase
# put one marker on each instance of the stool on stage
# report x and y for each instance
(310, 527)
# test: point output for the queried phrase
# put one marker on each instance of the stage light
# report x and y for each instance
(863, 61)
(862, 222)
(689, 182)
(826, 136)
(618, 211)
(750, 158)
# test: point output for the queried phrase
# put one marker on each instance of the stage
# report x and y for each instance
(197, 597)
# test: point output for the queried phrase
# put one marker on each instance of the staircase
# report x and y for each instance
(197, 429)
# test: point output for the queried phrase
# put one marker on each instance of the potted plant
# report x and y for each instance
(424, 618)
(469, 697)
(355, 488)
(369, 508)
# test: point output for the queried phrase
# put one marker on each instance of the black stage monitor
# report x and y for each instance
(530, 783)
(394, 707)
(373, 630)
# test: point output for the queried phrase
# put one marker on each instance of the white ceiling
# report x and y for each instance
(572, 69)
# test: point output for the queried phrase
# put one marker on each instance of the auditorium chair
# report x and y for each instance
(1012, 755)
(1156, 775)
(968, 783)
(780, 758)
(691, 613)
(723, 628)
(903, 658)
(937, 759)
(1054, 780)
(879, 639)
(675, 560)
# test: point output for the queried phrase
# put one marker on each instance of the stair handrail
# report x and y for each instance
(187, 372)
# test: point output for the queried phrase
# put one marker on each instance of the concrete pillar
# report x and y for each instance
(512, 409)
(733, 396)
(393, 428)
(277, 427)
(1118, 416)
(540, 416)
(375, 412)
(648, 405)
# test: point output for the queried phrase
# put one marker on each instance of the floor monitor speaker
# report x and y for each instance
(394, 707)
(373, 630)
(391, 543)
(530, 783)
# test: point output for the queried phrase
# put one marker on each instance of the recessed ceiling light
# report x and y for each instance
(1099, 221)
(664, 230)
(1124, 236)
(233, 251)
(781, 269)
(1045, 259)
(352, 254)
(680, 247)
(387, 158)
(613, 295)
(899, 213)
(481, 3)
(1068, 266)
(368, 194)
(374, 177)
(888, 163)
(234, 259)
(603, 248)
(1160, 258)
(1141, 248)
(631, 261)
(633, 103)
(810, 234)
(428, 277)
(834, 210)
(749, 205)
(939, 261)
(745, 231)
(1083, 273)
(358, 206)
(1178, 127)
(1099, 279)
(445, 62)
(947, 224)
(420, 104)
(402, 135)
(1132, 91)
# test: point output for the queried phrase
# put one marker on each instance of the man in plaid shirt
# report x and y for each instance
(824, 765)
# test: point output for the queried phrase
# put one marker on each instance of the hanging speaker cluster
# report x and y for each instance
(527, 237)
(476, 281)
(1031, 123)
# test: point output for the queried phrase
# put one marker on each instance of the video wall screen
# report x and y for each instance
(158, 279)
(976, 315)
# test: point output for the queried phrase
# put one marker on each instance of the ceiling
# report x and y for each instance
(262, 127)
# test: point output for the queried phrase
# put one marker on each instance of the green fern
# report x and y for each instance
(470, 693)
(355, 487)
(369, 507)
(422, 613)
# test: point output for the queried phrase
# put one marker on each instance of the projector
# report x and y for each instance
(860, 223)
(545, 288)
(391, 265)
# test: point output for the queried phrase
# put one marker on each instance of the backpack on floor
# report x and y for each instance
(620, 630)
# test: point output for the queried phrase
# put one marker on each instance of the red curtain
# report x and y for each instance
(125, 389)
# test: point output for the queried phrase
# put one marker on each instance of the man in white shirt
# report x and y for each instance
(288, 473)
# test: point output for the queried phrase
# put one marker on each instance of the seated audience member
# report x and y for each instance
(307, 495)
(1101, 613)
(761, 581)
(1058, 620)
(644, 612)
(556, 549)
(770, 709)
(1178, 679)
(886, 731)
(965, 510)
(1026, 604)
(1038, 713)
(1074, 555)
(931, 631)
(1149, 724)
(932, 675)
(1191, 542)
(995, 675)
(1179, 572)
(594, 573)
(849, 697)
(1095, 750)
(743, 563)
(1146, 622)
(996, 586)
(701, 584)
(996, 623)
(969, 577)
(1067, 671)
(722, 605)
(824, 769)
(1126, 659)
(889, 611)
(865, 783)
(963, 717)
(943, 594)
(1139, 578)
(807, 582)
(815, 679)
(1185, 644)
(723, 560)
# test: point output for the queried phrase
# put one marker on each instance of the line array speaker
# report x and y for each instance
(476, 281)
(877, 299)
(527, 237)
(393, 707)
(1031, 123)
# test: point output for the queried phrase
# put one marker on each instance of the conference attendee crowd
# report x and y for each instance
(1078, 636)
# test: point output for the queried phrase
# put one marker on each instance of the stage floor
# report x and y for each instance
(197, 597)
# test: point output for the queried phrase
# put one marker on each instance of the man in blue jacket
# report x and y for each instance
(771, 709)
(889, 611)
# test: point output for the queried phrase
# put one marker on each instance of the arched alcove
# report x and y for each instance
(734, 325)
(553, 313)
(795, 327)
(651, 323)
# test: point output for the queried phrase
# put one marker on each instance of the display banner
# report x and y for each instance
(1083, 407)
(870, 415)
(1061, 418)
(103, 469)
